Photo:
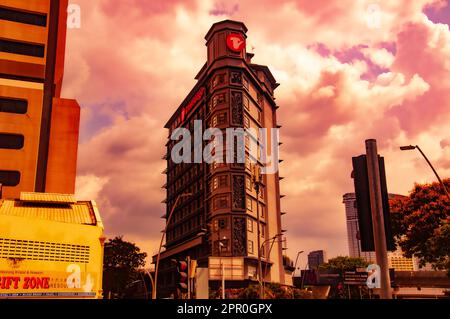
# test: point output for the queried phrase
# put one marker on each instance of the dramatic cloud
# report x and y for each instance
(349, 70)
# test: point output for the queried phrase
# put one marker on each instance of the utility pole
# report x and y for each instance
(223, 279)
(376, 203)
(257, 184)
(188, 259)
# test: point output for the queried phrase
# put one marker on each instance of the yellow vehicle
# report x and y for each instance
(51, 246)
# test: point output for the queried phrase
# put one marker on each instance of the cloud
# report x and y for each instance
(342, 81)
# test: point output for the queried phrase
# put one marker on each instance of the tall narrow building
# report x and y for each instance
(217, 223)
(38, 128)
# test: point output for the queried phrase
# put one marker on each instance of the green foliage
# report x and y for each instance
(251, 292)
(121, 262)
(421, 224)
(277, 291)
(344, 263)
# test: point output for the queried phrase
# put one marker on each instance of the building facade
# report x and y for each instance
(315, 259)
(396, 259)
(219, 219)
(51, 246)
(38, 128)
(353, 239)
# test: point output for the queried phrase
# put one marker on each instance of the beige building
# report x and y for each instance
(38, 128)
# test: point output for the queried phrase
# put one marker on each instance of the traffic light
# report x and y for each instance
(361, 181)
(182, 275)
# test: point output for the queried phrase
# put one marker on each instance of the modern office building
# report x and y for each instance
(315, 259)
(38, 128)
(396, 259)
(217, 223)
(353, 239)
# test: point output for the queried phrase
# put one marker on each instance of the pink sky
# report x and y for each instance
(349, 70)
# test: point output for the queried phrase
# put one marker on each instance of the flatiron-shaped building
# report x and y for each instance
(218, 221)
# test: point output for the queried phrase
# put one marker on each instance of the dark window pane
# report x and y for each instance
(22, 48)
(9, 178)
(23, 17)
(13, 106)
(11, 141)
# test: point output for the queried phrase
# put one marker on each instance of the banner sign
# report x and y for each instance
(27, 283)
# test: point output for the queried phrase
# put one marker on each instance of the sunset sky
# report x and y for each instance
(348, 71)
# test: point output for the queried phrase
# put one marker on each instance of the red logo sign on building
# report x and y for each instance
(185, 110)
(235, 42)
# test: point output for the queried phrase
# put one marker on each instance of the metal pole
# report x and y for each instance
(303, 276)
(434, 171)
(189, 277)
(268, 255)
(259, 243)
(295, 268)
(376, 204)
(223, 280)
(162, 240)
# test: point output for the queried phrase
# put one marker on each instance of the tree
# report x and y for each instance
(121, 262)
(344, 263)
(340, 265)
(421, 224)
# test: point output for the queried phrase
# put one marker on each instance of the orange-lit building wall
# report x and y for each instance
(33, 34)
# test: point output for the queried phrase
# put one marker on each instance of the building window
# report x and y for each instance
(23, 17)
(223, 181)
(22, 48)
(222, 223)
(218, 99)
(221, 202)
(224, 246)
(215, 183)
(250, 247)
(250, 225)
(245, 82)
(222, 118)
(218, 79)
(9, 178)
(236, 78)
(13, 106)
(246, 122)
(248, 183)
(11, 141)
(246, 103)
(249, 204)
(259, 116)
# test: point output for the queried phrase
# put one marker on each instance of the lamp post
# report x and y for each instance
(257, 183)
(151, 279)
(162, 240)
(412, 147)
(268, 256)
(295, 268)
(222, 267)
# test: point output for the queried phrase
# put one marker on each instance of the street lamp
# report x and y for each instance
(295, 268)
(162, 240)
(256, 178)
(221, 244)
(412, 147)
(261, 283)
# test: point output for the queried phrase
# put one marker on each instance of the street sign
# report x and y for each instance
(355, 277)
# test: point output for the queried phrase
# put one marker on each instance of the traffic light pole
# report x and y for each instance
(188, 259)
(376, 204)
